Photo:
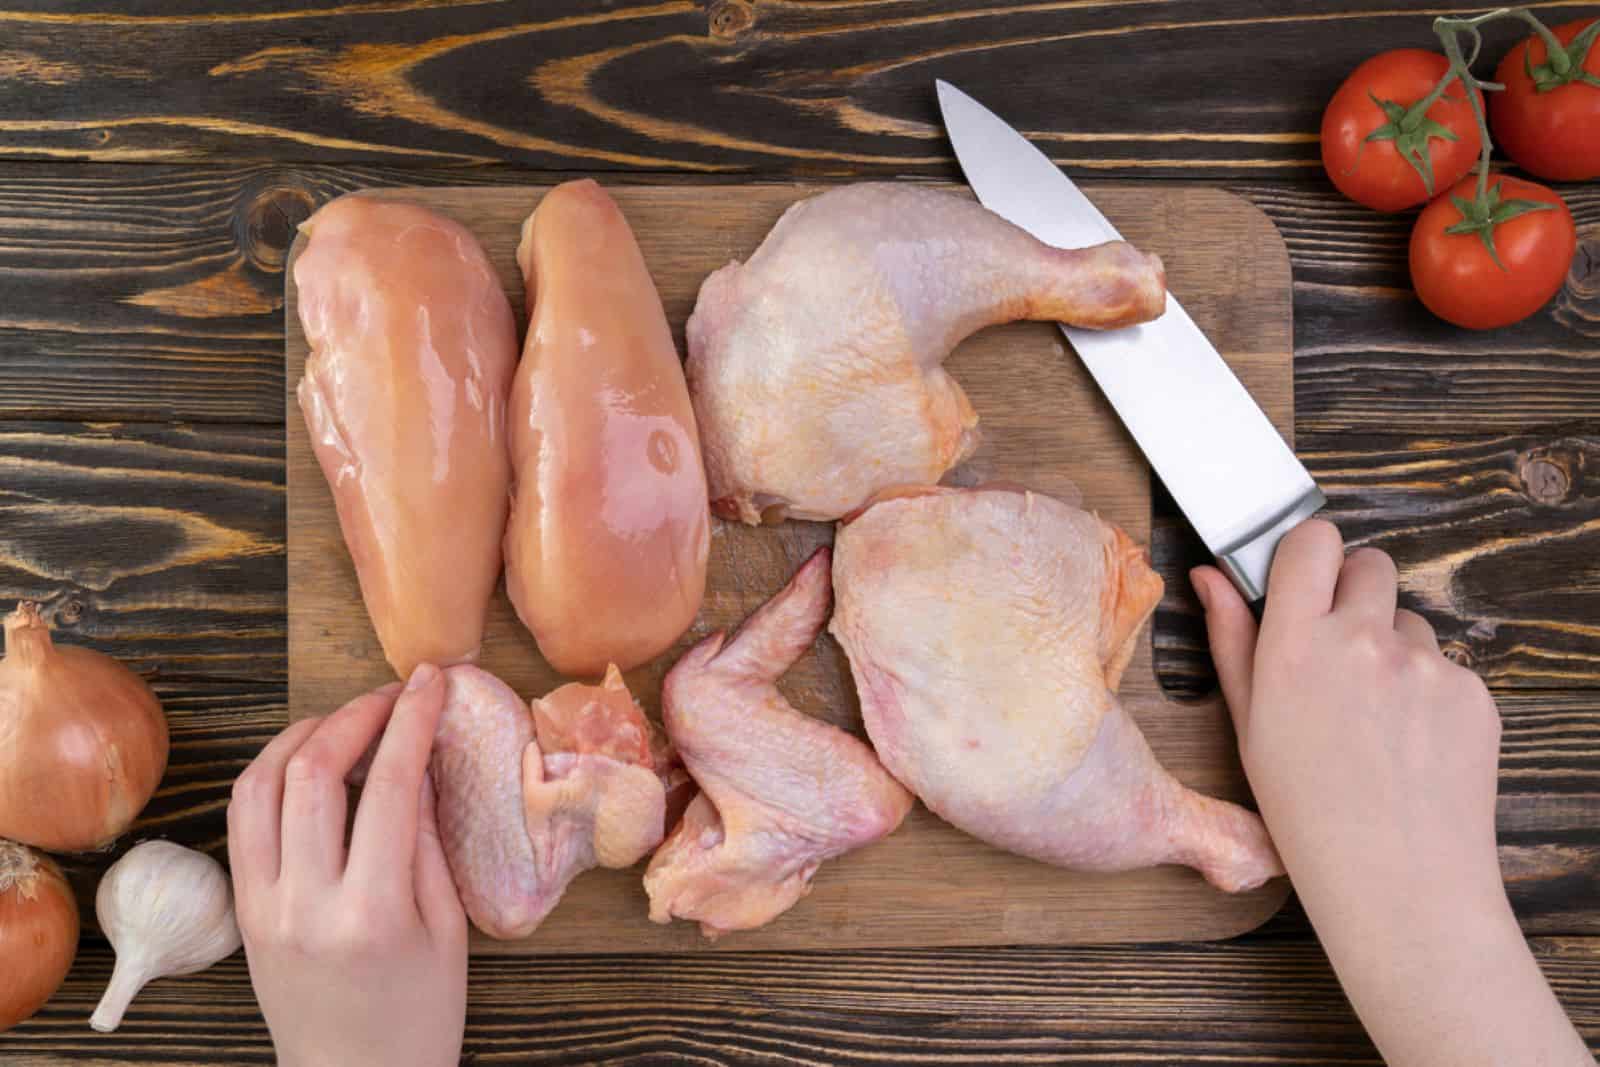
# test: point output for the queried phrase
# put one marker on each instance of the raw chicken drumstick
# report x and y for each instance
(780, 791)
(412, 350)
(987, 631)
(815, 366)
(528, 802)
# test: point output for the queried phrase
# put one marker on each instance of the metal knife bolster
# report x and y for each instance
(1248, 560)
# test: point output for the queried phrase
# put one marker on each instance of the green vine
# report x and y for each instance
(1563, 64)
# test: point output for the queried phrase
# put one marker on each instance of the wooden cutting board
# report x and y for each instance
(1044, 425)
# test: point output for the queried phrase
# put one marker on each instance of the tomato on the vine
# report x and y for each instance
(1382, 153)
(1548, 119)
(1492, 264)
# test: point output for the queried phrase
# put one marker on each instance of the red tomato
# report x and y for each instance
(1371, 158)
(1556, 133)
(1459, 280)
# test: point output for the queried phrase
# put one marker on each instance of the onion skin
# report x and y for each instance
(83, 741)
(38, 931)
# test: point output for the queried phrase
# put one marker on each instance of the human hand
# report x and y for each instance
(1373, 760)
(358, 955)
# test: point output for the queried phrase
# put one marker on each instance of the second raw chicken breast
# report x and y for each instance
(609, 532)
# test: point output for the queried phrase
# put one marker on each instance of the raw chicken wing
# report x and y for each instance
(528, 802)
(815, 366)
(781, 791)
(606, 549)
(412, 350)
(987, 631)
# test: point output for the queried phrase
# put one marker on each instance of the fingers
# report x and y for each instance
(1231, 628)
(383, 844)
(1368, 586)
(437, 898)
(1416, 629)
(314, 788)
(1305, 572)
(255, 810)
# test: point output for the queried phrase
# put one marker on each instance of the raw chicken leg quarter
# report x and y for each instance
(815, 366)
(987, 631)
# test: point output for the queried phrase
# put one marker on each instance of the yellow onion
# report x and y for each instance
(38, 931)
(83, 741)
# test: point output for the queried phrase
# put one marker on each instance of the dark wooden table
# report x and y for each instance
(156, 155)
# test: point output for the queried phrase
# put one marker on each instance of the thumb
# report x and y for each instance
(1232, 632)
(435, 887)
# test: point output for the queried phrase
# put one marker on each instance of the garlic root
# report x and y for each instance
(166, 910)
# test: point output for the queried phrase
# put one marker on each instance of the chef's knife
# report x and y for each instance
(1238, 483)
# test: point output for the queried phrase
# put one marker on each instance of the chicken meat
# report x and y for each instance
(815, 366)
(987, 632)
(527, 802)
(780, 791)
(413, 346)
(609, 534)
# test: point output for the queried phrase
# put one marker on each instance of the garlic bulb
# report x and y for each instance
(166, 910)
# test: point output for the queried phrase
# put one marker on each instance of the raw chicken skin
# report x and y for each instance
(987, 631)
(413, 346)
(609, 534)
(527, 802)
(780, 791)
(815, 366)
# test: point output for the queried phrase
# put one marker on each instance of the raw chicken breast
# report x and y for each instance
(606, 549)
(987, 631)
(781, 791)
(413, 346)
(815, 366)
(528, 802)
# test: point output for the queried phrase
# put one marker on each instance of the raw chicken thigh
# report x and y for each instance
(528, 802)
(815, 366)
(413, 346)
(609, 534)
(987, 631)
(781, 791)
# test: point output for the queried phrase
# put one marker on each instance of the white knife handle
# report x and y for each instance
(1249, 561)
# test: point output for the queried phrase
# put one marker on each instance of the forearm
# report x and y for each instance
(1441, 985)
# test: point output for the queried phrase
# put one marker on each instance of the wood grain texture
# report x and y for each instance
(1495, 538)
(156, 293)
(162, 545)
(766, 86)
(1044, 425)
(1265, 1003)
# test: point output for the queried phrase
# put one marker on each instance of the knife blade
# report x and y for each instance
(1230, 472)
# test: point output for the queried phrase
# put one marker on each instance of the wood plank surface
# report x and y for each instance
(770, 86)
(156, 292)
(162, 545)
(1044, 425)
(1265, 1003)
(153, 292)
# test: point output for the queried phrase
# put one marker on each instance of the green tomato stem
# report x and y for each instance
(1555, 51)
(1449, 31)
